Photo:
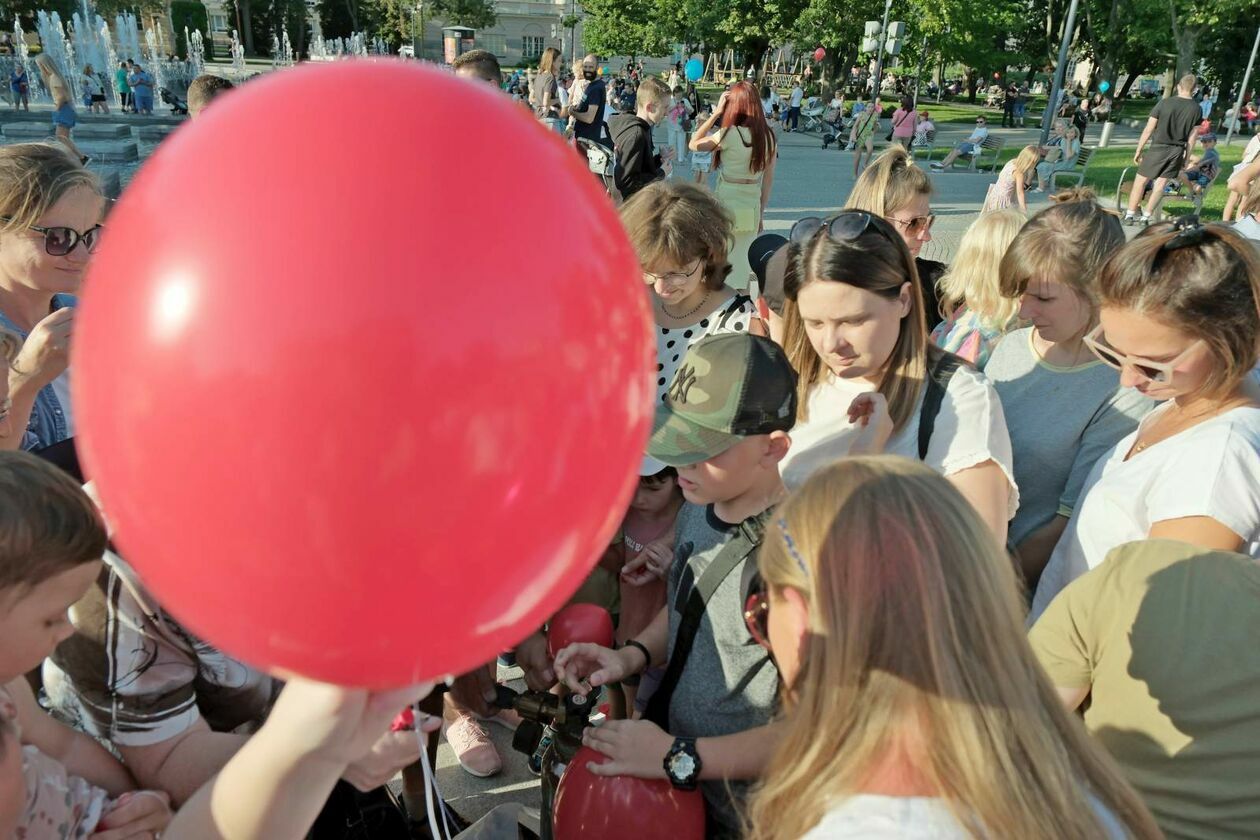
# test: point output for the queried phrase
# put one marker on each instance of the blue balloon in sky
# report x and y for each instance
(694, 70)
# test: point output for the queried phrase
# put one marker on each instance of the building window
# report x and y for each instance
(531, 46)
(218, 23)
(496, 44)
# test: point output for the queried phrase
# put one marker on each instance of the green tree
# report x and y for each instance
(623, 27)
(983, 37)
(478, 14)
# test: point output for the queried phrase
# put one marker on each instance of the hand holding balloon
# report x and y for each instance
(636, 748)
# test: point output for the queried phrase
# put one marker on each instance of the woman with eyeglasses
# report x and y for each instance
(681, 234)
(914, 705)
(50, 211)
(1065, 409)
(870, 379)
(896, 189)
(1180, 320)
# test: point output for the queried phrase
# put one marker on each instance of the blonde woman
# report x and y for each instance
(63, 118)
(976, 315)
(894, 188)
(950, 731)
(1180, 320)
(1012, 183)
(871, 381)
(50, 212)
(1065, 409)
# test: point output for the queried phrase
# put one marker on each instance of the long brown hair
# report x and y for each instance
(679, 222)
(550, 61)
(916, 626)
(879, 262)
(744, 108)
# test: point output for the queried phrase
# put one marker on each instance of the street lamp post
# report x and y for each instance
(879, 59)
(1242, 91)
(1059, 72)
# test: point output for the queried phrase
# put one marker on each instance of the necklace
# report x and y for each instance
(1180, 422)
(691, 311)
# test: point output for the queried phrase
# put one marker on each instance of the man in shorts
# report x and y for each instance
(1171, 130)
(970, 146)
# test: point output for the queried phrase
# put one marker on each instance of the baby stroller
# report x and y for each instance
(600, 160)
(178, 106)
(812, 112)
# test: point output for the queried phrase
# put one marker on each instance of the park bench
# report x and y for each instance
(990, 148)
(1077, 172)
(1194, 196)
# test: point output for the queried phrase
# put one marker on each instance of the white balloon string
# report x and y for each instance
(430, 782)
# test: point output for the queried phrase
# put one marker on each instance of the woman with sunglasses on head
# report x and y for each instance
(1065, 409)
(50, 211)
(950, 731)
(895, 188)
(871, 381)
(1180, 320)
(681, 234)
(744, 152)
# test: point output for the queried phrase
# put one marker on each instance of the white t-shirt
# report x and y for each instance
(970, 429)
(977, 136)
(1249, 227)
(797, 95)
(872, 817)
(1212, 469)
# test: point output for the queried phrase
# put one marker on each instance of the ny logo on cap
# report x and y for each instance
(683, 381)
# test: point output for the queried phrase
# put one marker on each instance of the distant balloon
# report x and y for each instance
(820, 54)
(1104, 86)
(601, 71)
(694, 70)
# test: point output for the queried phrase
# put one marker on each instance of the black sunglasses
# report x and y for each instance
(845, 226)
(59, 241)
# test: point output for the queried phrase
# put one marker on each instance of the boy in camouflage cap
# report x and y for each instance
(724, 426)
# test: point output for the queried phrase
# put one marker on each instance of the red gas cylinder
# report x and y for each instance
(622, 807)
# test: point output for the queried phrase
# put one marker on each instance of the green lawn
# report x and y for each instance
(1107, 164)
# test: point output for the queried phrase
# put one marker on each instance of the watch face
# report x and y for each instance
(683, 766)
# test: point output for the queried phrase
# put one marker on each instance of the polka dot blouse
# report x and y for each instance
(672, 342)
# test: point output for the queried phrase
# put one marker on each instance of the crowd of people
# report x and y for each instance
(897, 524)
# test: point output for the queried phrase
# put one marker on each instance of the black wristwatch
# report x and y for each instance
(682, 764)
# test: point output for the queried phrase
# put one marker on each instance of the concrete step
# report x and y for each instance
(95, 131)
(154, 133)
(110, 151)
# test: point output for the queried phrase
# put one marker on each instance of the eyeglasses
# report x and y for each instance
(845, 226)
(1158, 372)
(673, 278)
(916, 226)
(59, 241)
(757, 618)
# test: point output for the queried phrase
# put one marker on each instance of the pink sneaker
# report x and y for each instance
(473, 747)
(507, 718)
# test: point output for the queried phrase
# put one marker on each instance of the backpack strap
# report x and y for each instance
(940, 371)
(740, 548)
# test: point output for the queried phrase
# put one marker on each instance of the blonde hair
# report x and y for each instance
(34, 177)
(679, 222)
(550, 61)
(889, 184)
(1066, 242)
(915, 614)
(1026, 161)
(972, 278)
(876, 261)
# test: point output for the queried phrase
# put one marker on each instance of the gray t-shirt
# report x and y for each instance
(729, 684)
(1061, 421)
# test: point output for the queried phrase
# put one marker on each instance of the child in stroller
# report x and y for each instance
(178, 106)
(837, 125)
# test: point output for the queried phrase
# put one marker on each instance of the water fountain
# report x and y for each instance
(286, 47)
(196, 51)
(238, 55)
(127, 33)
(157, 68)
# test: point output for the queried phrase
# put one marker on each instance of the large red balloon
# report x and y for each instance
(820, 54)
(579, 623)
(362, 372)
(622, 807)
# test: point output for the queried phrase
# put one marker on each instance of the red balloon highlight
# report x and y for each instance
(622, 807)
(349, 409)
(579, 623)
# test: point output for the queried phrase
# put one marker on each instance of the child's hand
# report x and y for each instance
(531, 655)
(136, 815)
(583, 667)
(652, 563)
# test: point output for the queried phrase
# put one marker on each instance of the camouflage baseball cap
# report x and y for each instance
(728, 387)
